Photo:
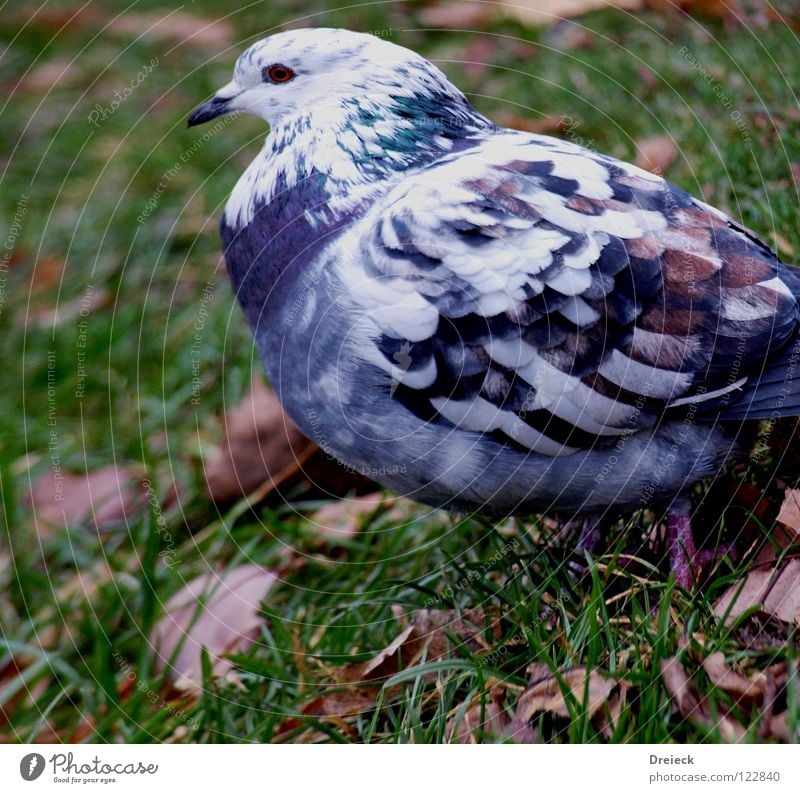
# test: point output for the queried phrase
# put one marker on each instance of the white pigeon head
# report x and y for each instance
(311, 70)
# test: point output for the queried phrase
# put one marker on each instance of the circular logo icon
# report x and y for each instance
(31, 766)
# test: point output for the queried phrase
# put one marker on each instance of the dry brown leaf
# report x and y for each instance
(379, 667)
(433, 626)
(760, 689)
(175, 26)
(102, 498)
(656, 154)
(334, 707)
(778, 727)
(680, 688)
(341, 520)
(735, 683)
(545, 694)
(790, 509)
(426, 635)
(617, 703)
(263, 451)
(692, 706)
(43, 291)
(49, 73)
(261, 445)
(469, 727)
(47, 274)
(780, 538)
(741, 597)
(341, 703)
(217, 611)
(775, 592)
(783, 599)
(548, 12)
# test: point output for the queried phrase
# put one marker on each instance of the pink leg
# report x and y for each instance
(682, 551)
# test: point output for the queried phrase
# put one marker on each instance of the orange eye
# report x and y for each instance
(277, 73)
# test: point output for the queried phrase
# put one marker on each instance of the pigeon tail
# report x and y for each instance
(775, 393)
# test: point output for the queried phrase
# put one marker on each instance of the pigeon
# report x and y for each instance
(488, 320)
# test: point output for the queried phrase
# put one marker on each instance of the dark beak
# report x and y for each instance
(216, 106)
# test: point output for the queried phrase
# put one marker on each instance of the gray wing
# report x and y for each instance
(557, 299)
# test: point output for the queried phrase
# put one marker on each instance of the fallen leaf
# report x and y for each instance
(548, 12)
(783, 599)
(617, 703)
(692, 706)
(680, 688)
(790, 509)
(470, 627)
(780, 538)
(175, 26)
(341, 520)
(656, 154)
(103, 498)
(774, 592)
(49, 73)
(545, 693)
(379, 667)
(43, 288)
(263, 452)
(743, 596)
(480, 720)
(778, 727)
(340, 703)
(217, 611)
(734, 683)
(425, 636)
(47, 274)
(763, 691)
(261, 444)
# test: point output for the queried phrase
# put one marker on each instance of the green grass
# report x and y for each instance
(83, 187)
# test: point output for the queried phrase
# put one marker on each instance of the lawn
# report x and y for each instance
(112, 260)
